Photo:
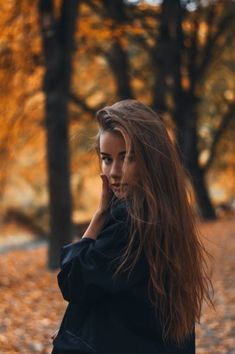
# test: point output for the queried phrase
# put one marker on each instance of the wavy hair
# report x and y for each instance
(165, 227)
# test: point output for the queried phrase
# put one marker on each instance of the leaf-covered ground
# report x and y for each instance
(31, 305)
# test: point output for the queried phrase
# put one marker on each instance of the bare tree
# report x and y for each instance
(118, 57)
(58, 36)
(172, 57)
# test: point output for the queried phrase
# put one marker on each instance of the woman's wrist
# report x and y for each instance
(95, 225)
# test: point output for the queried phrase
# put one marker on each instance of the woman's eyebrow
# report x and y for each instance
(104, 153)
(124, 152)
(120, 153)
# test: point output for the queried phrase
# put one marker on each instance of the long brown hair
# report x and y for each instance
(166, 226)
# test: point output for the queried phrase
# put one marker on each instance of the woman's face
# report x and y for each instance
(112, 155)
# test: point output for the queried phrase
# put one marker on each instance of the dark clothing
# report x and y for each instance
(106, 315)
(62, 351)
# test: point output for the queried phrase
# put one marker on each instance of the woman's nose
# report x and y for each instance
(116, 170)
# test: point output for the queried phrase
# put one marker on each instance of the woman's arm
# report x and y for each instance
(87, 267)
(95, 225)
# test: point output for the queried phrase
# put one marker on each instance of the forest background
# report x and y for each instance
(60, 61)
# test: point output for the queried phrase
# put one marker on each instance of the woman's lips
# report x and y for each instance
(118, 187)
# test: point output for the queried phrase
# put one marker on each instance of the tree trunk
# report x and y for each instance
(58, 44)
(120, 67)
(118, 58)
(201, 190)
(188, 150)
(167, 55)
(168, 81)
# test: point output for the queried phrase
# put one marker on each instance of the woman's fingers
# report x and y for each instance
(106, 194)
(107, 191)
(105, 180)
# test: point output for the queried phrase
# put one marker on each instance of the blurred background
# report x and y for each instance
(60, 61)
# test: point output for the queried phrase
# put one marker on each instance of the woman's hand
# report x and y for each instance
(106, 195)
(98, 218)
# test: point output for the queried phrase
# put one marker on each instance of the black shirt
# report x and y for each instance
(107, 315)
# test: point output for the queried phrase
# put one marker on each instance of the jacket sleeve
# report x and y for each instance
(87, 266)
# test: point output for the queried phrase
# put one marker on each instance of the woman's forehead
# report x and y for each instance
(113, 141)
(110, 139)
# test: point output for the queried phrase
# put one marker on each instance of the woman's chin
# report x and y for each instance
(119, 194)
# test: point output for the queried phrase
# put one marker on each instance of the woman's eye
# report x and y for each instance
(106, 160)
(129, 158)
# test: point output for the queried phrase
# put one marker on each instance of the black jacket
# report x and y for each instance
(106, 315)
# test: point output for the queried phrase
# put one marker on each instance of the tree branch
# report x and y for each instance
(222, 127)
(212, 42)
(93, 5)
(81, 103)
(192, 56)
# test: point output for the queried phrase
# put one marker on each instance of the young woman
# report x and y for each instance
(136, 280)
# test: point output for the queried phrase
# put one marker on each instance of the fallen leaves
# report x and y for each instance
(32, 307)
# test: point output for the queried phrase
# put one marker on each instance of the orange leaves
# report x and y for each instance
(93, 30)
(31, 306)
